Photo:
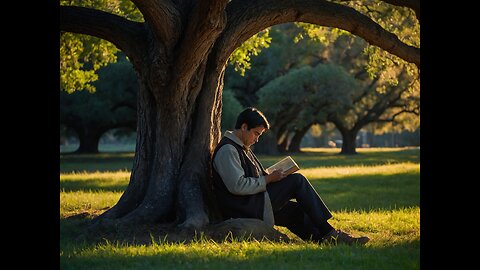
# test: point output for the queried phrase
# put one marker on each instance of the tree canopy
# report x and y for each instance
(82, 55)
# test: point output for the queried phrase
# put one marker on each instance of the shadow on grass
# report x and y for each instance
(96, 162)
(259, 255)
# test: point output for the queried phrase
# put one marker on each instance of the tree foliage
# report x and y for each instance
(112, 105)
(81, 56)
(303, 97)
(402, 22)
(311, 92)
(282, 55)
(240, 58)
(113, 101)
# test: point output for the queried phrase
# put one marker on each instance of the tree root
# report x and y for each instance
(240, 229)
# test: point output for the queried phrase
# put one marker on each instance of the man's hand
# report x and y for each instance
(275, 176)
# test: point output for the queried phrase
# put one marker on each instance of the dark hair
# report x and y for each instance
(253, 118)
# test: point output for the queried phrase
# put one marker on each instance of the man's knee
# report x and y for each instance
(297, 178)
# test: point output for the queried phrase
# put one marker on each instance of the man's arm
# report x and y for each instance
(227, 164)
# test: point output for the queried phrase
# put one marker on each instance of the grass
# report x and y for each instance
(375, 193)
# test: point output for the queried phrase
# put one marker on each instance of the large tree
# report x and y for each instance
(179, 54)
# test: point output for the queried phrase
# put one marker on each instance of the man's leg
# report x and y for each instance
(311, 221)
(296, 186)
(292, 216)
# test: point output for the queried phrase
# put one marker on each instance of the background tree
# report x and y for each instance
(90, 115)
(389, 93)
(179, 54)
(379, 103)
(349, 52)
(303, 97)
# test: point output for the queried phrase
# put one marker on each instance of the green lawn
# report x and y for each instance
(374, 193)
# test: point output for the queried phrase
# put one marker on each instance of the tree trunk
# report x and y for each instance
(294, 146)
(89, 139)
(349, 142)
(176, 135)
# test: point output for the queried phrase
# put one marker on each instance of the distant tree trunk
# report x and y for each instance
(89, 139)
(294, 146)
(349, 142)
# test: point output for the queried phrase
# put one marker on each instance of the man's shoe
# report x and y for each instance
(339, 237)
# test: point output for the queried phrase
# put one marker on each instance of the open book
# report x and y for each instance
(287, 165)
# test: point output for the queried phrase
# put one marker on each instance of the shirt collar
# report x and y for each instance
(229, 134)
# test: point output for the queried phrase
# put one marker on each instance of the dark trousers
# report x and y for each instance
(307, 217)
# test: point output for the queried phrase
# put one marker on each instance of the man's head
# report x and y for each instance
(251, 123)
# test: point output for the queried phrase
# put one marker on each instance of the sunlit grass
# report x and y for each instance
(359, 150)
(384, 227)
(345, 171)
(72, 203)
(96, 181)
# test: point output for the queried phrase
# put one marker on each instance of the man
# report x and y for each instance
(244, 189)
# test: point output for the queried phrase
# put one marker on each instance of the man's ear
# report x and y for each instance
(244, 126)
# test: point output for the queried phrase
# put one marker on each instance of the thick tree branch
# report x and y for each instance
(392, 117)
(127, 35)
(246, 18)
(164, 19)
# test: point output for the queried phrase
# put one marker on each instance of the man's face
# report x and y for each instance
(251, 136)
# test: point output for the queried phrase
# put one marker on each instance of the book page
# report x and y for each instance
(287, 165)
